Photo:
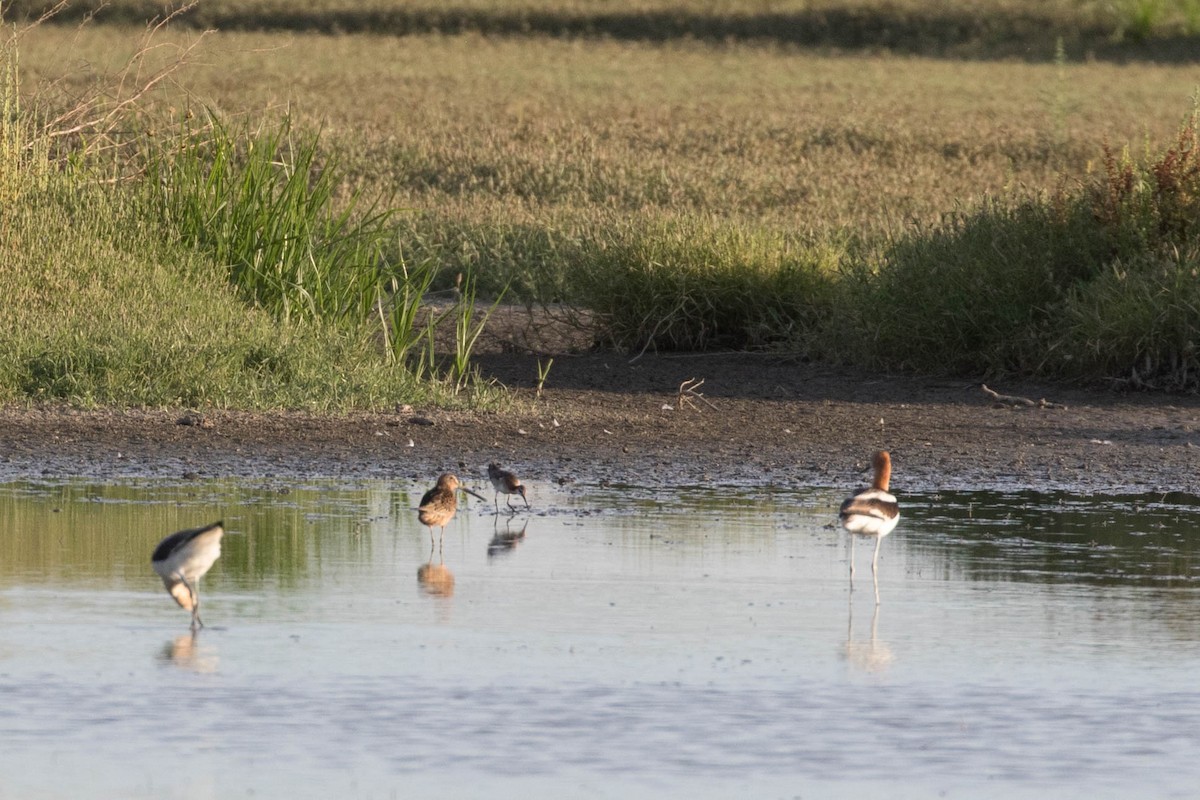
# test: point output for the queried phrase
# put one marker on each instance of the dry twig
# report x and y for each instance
(1014, 400)
(101, 110)
(688, 394)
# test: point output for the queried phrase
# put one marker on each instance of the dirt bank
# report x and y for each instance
(761, 419)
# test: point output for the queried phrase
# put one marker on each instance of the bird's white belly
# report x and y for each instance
(867, 525)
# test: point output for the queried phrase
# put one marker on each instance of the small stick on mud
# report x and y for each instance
(687, 391)
(1014, 400)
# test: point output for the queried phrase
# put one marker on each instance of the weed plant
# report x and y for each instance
(1099, 282)
(260, 204)
(1138, 320)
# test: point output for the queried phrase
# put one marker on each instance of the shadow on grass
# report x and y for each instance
(940, 32)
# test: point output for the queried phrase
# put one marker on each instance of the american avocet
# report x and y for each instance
(871, 512)
(181, 560)
(504, 482)
(439, 503)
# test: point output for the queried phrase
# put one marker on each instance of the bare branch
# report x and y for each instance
(688, 394)
(1014, 400)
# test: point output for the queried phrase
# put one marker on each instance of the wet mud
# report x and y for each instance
(744, 419)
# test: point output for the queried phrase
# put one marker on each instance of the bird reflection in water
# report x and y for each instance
(435, 580)
(185, 652)
(868, 654)
(505, 541)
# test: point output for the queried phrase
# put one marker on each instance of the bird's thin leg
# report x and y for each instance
(874, 574)
(496, 500)
(195, 595)
(852, 562)
(508, 502)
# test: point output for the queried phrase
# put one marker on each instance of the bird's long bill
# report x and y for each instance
(472, 493)
(179, 590)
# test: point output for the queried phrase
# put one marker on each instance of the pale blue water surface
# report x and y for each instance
(615, 642)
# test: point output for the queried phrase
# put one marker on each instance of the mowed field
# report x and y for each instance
(556, 131)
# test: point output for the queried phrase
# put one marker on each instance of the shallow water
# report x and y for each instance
(615, 642)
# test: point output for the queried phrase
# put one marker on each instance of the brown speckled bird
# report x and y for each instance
(504, 482)
(439, 503)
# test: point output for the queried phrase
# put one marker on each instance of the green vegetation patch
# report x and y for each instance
(101, 308)
(1100, 282)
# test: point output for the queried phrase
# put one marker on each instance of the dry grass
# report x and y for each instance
(559, 133)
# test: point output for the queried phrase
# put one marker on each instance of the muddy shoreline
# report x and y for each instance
(756, 420)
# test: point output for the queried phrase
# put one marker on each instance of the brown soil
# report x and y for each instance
(760, 419)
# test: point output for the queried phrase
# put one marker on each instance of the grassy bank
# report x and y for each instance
(860, 205)
(209, 267)
(103, 307)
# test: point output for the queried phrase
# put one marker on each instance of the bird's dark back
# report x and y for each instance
(179, 539)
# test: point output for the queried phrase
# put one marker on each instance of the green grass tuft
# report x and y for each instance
(693, 284)
(260, 204)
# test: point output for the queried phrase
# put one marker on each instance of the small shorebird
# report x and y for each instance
(439, 503)
(181, 560)
(871, 512)
(504, 482)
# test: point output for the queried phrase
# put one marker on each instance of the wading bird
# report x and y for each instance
(504, 482)
(181, 560)
(439, 503)
(871, 512)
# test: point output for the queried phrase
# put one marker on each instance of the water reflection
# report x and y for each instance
(505, 541)
(84, 533)
(436, 580)
(1059, 538)
(186, 652)
(867, 653)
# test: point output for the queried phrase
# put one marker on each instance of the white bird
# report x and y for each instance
(181, 560)
(871, 512)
